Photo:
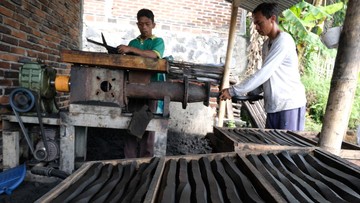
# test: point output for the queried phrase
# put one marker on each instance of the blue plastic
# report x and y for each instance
(11, 178)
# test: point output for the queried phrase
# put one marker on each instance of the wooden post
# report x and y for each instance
(229, 53)
(11, 148)
(343, 82)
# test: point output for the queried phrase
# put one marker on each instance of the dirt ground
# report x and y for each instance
(28, 192)
(104, 145)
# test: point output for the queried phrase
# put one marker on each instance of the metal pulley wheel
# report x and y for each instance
(23, 100)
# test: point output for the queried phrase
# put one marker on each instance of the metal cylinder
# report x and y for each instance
(176, 91)
(62, 83)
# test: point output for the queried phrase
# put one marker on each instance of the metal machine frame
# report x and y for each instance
(100, 87)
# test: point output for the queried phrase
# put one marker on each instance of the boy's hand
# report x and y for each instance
(123, 49)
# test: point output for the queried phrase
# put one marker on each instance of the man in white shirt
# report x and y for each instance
(279, 78)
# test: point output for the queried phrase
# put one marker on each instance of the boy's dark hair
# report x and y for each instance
(147, 13)
(267, 9)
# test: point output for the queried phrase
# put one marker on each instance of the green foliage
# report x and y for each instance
(317, 91)
(304, 22)
(355, 111)
(339, 16)
(311, 125)
(230, 124)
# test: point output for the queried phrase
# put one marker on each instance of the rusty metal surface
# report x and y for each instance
(109, 87)
(175, 90)
(250, 5)
(139, 121)
(97, 86)
(139, 77)
(281, 176)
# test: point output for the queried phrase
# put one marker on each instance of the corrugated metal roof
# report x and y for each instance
(250, 5)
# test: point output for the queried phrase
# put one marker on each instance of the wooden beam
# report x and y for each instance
(126, 62)
(236, 3)
(229, 53)
(262, 147)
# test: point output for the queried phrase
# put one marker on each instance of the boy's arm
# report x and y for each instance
(156, 51)
(123, 49)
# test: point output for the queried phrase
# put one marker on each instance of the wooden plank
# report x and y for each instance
(32, 119)
(126, 62)
(106, 117)
(349, 154)
(261, 147)
(67, 148)
(94, 109)
(256, 112)
(11, 154)
(221, 143)
(229, 110)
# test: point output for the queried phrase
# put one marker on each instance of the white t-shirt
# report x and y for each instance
(279, 77)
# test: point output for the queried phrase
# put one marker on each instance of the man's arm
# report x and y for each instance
(271, 63)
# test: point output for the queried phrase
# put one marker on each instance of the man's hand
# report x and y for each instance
(224, 94)
(123, 49)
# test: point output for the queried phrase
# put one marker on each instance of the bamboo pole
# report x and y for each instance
(229, 53)
(343, 82)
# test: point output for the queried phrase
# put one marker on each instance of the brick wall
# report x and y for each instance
(193, 16)
(36, 30)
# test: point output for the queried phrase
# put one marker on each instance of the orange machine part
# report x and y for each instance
(62, 83)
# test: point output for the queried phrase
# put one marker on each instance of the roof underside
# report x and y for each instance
(250, 5)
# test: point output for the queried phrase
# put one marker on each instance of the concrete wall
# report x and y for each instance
(193, 30)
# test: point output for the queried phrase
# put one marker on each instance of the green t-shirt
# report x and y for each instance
(153, 43)
(157, 45)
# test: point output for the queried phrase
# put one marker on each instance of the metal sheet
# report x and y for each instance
(250, 5)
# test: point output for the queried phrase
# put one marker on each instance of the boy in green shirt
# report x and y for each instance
(145, 45)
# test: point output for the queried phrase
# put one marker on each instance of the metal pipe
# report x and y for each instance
(176, 91)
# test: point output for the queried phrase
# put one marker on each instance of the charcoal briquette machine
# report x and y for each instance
(101, 89)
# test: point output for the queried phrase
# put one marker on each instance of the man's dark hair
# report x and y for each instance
(267, 9)
(145, 12)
